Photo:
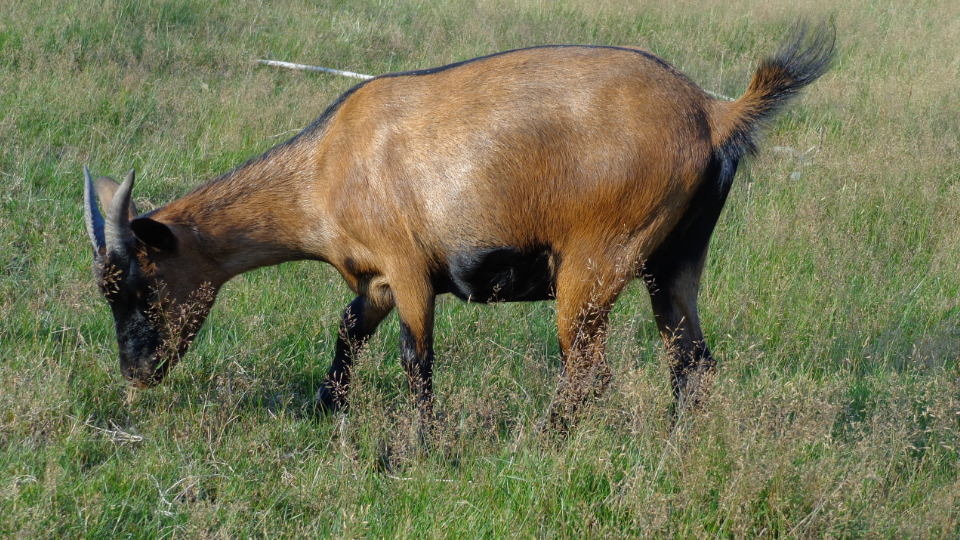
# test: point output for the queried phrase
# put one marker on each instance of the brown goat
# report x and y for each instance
(552, 172)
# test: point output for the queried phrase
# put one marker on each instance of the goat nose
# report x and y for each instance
(127, 372)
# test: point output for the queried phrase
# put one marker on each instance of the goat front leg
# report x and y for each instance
(415, 305)
(359, 321)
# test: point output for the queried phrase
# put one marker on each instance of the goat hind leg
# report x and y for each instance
(672, 274)
(674, 286)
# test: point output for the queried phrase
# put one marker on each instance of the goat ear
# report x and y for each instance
(106, 187)
(155, 234)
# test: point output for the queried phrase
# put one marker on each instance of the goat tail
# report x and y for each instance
(802, 59)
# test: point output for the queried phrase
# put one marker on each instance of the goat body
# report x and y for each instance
(552, 172)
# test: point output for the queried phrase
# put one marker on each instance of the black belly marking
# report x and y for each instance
(503, 274)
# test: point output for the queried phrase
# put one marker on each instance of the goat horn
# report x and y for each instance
(117, 231)
(91, 214)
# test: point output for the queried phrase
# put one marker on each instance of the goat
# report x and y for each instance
(554, 172)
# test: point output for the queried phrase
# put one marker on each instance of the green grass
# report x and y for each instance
(830, 297)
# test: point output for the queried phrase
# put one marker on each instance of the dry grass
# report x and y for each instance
(830, 297)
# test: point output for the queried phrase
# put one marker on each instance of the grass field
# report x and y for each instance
(830, 298)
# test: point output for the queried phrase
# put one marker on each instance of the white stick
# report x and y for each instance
(718, 95)
(290, 65)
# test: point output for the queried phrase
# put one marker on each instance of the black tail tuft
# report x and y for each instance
(800, 65)
(803, 58)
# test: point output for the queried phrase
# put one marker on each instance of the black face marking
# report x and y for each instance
(137, 343)
(130, 296)
(503, 274)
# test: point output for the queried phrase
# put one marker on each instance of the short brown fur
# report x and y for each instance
(606, 161)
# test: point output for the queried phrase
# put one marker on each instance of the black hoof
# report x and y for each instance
(327, 401)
